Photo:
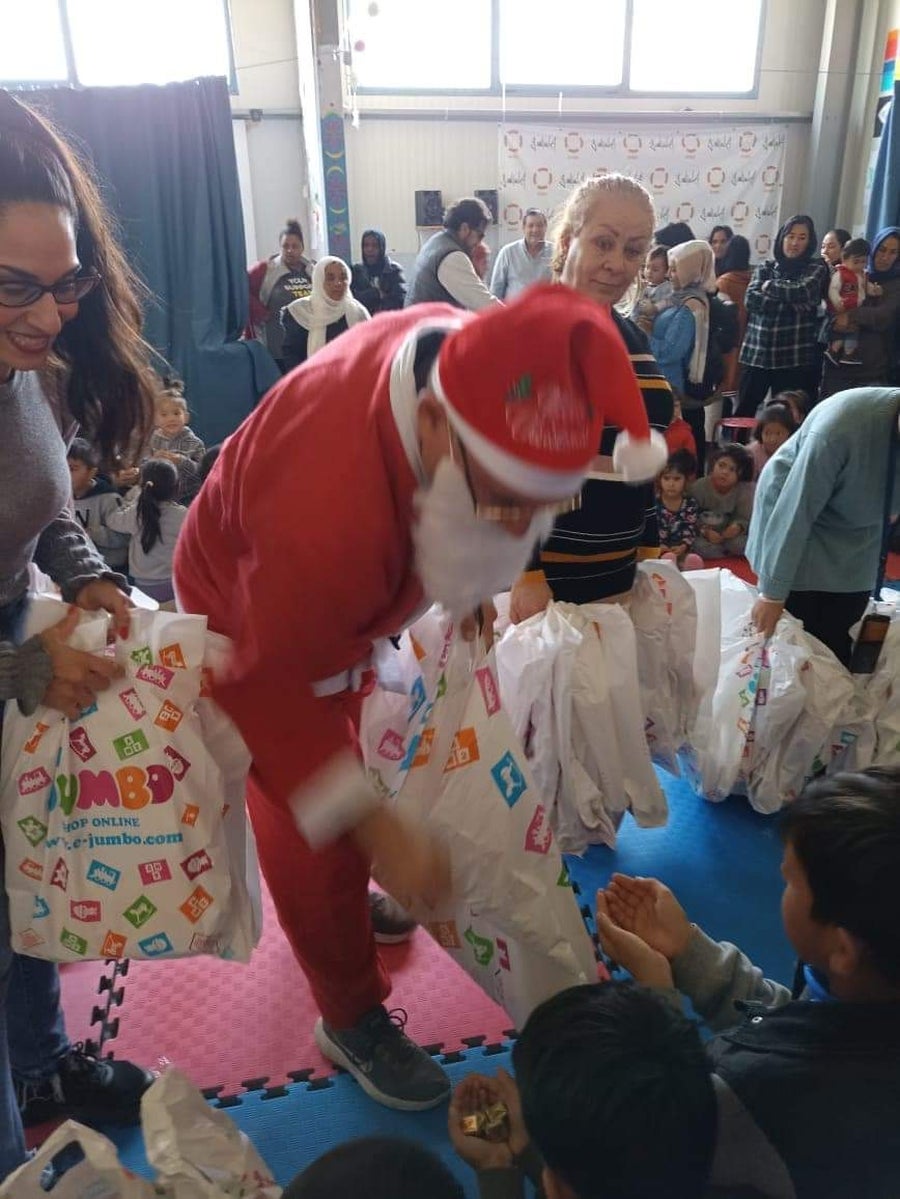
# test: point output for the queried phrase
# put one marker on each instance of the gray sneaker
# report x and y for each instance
(391, 923)
(389, 1067)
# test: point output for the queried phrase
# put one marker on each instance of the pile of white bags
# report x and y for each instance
(196, 1151)
(441, 749)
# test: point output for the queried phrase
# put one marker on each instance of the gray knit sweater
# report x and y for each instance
(36, 524)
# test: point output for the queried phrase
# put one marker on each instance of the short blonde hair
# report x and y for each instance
(570, 220)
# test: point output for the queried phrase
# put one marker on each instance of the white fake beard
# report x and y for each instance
(461, 560)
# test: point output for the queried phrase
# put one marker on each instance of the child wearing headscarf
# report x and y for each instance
(377, 282)
(680, 335)
(314, 320)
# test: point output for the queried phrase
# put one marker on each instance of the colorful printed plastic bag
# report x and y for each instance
(121, 838)
(81, 1164)
(446, 756)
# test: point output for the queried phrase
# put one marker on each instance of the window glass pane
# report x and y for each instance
(119, 42)
(576, 43)
(694, 45)
(31, 45)
(422, 44)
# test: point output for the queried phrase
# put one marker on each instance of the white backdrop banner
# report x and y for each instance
(714, 176)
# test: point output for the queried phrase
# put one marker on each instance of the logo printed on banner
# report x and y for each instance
(29, 939)
(113, 945)
(490, 692)
(32, 869)
(154, 872)
(155, 946)
(771, 176)
(542, 180)
(574, 143)
(690, 143)
(41, 908)
(715, 178)
(140, 911)
(32, 829)
(747, 142)
(34, 780)
(81, 744)
(659, 178)
(463, 751)
(73, 942)
(85, 910)
(503, 954)
(482, 947)
(142, 657)
(509, 779)
(631, 144)
(512, 140)
(35, 739)
(198, 863)
(171, 655)
(60, 876)
(132, 702)
(196, 904)
(129, 745)
(538, 838)
(103, 875)
(189, 814)
(157, 676)
(391, 746)
(445, 933)
(168, 717)
(178, 763)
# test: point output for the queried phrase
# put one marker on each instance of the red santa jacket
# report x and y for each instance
(299, 546)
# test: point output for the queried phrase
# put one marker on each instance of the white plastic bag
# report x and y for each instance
(98, 1175)
(122, 837)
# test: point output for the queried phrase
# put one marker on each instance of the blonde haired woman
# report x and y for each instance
(602, 236)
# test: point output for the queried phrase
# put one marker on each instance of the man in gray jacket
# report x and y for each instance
(444, 269)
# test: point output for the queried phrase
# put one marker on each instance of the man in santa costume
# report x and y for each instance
(419, 458)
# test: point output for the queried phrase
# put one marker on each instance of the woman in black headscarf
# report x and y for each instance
(719, 238)
(377, 282)
(780, 349)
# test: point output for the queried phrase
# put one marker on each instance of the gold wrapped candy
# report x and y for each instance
(490, 1124)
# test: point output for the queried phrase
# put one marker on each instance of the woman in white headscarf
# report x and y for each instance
(318, 318)
(681, 332)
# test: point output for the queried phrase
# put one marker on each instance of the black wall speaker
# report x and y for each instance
(429, 208)
(489, 196)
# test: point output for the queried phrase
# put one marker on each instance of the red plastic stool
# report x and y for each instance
(736, 426)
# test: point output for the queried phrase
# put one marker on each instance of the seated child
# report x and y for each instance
(677, 514)
(725, 500)
(797, 402)
(847, 290)
(375, 1168)
(775, 425)
(95, 500)
(656, 292)
(153, 519)
(809, 1078)
(614, 1099)
(679, 435)
(173, 441)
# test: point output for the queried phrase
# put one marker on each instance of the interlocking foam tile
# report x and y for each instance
(84, 995)
(225, 1022)
(298, 1125)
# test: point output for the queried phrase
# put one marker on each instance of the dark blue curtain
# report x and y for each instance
(165, 160)
(884, 202)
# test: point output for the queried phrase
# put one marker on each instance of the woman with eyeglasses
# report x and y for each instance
(70, 354)
(601, 240)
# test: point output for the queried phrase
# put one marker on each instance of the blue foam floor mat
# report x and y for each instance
(721, 860)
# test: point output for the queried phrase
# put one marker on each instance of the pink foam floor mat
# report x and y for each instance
(224, 1023)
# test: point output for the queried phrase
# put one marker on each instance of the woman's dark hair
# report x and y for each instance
(775, 414)
(597, 1066)
(159, 484)
(109, 387)
(81, 450)
(469, 211)
(292, 228)
(681, 462)
(376, 1168)
(208, 461)
(856, 247)
(738, 454)
(674, 234)
(845, 833)
(173, 384)
(842, 236)
(799, 397)
(659, 252)
(737, 255)
(726, 229)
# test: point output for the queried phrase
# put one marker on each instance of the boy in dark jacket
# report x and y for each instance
(94, 500)
(377, 282)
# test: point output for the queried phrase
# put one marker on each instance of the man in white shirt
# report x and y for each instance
(524, 262)
(444, 270)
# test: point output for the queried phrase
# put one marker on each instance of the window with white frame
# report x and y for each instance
(105, 43)
(624, 47)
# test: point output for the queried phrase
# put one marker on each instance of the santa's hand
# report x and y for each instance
(481, 621)
(530, 595)
(766, 614)
(406, 861)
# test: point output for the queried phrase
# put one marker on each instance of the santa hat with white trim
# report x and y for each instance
(527, 388)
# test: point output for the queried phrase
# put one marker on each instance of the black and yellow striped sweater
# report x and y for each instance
(592, 554)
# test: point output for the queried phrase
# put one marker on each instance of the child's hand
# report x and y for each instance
(126, 477)
(168, 456)
(645, 964)
(647, 908)
(873, 289)
(731, 531)
(712, 535)
(473, 1094)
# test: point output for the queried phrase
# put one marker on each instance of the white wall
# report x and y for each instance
(389, 159)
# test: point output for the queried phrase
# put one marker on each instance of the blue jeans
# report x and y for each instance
(32, 1032)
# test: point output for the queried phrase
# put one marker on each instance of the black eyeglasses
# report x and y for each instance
(19, 293)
